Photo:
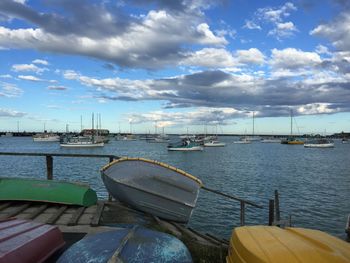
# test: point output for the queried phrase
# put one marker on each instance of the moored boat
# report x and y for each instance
(271, 140)
(272, 244)
(28, 241)
(185, 146)
(23, 189)
(319, 143)
(242, 140)
(136, 245)
(292, 141)
(214, 143)
(46, 137)
(80, 142)
(152, 187)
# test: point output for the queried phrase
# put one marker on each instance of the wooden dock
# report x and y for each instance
(109, 215)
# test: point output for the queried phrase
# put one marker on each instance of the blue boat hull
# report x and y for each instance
(128, 245)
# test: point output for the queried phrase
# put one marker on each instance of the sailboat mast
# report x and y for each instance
(291, 122)
(253, 123)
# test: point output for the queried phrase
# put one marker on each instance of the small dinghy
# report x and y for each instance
(136, 245)
(152, 187)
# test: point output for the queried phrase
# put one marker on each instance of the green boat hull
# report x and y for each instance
(21, 189)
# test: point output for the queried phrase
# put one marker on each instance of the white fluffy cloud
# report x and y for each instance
(29, 77)
(28, 68)
(250, 56)
(291, 58)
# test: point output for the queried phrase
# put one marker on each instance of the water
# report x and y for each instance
(314, 184)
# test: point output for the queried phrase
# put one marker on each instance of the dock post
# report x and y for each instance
(277, 206)
(271, 211)
(49, 167)
(242, 218)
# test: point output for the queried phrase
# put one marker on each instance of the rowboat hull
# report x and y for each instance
(152, 187)
(272, 244)
(21, 189)
(136, 245)
(27, 241)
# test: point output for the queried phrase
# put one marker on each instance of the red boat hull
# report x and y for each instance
(28, 241)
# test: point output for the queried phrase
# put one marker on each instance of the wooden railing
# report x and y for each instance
(49, 159)
(49, 169)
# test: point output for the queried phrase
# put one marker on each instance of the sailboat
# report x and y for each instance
(291, 139)
(81, 141)
(214, 142)
(253, 138)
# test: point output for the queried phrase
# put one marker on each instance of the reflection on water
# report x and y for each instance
(314, 184)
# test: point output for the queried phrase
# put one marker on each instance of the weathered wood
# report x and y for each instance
(277, 206)
(218, 239)
(5, 205)
(17, 210)
(37, 212)
(231, 197)
(271, 211)
(75, 217)
(49, 167)
(61, 155)
(242, 216)
(98, 213)
(56, 215)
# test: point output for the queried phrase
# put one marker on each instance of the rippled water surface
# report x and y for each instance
(314, 184)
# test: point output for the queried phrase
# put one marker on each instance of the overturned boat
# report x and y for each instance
(152, 187)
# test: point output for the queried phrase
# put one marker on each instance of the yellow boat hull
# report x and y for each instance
(270, 244)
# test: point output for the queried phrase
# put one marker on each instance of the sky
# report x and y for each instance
(175, 65)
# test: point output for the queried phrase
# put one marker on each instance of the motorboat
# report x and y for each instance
(271, 140)
(242, 140)
(152, 187)
(292, 141)
(185, 145)
(80, 142)
(214, 143)
(46, 137)
(319, 143)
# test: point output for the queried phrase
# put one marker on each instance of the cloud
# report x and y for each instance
(283, 30)
(251, 25)
(28, 68)
(9, 90)
(273, 96)
(209, 57)
(154, 40)
(336, 31)
(274, 16)
(199, 116)
(11, 113)
(40, 61)
(6, 76)
(250, 56)
(56, 88)
(29, 77)
(291, 58)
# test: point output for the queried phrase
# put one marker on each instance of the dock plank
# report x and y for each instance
(5, 205)
(16, 211)
(98, 213)
(37, 212)
(56, 215)
(75, 217)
